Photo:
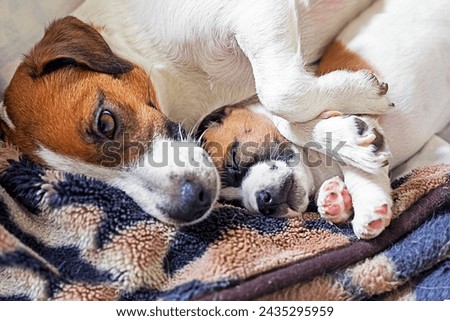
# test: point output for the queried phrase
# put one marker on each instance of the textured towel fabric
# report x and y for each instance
(68, 237)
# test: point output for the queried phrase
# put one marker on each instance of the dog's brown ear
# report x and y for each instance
(71, 42)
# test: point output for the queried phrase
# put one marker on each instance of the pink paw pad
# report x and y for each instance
(382, 210)
(334, 201)
(333, 205)
(375, 225)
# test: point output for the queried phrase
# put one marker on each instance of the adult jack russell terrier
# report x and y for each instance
(413, 59)
(109, 76)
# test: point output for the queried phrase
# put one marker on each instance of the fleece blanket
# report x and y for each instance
(69, 237)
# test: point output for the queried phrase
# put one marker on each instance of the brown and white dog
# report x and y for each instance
(413, 58)
(76, 106)
(90, 97)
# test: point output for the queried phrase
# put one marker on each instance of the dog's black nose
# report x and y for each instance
(267, 202)
(195, 201)
(270, 200)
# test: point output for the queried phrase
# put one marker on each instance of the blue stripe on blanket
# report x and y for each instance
(423, 247)
(436, 285)
(24, 178)
(14, 298)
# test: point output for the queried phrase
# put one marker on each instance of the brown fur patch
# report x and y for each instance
(69, 41)
(337, 57)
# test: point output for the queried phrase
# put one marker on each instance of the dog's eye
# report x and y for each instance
(151, 104)
(106, 124)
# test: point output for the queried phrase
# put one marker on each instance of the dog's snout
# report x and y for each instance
(268, 201)
(195, 201)
(272, 199)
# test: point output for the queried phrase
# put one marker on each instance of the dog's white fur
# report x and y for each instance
(202, 55)
(406, 42)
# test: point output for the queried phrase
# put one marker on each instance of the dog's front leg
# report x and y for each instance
(268, 34)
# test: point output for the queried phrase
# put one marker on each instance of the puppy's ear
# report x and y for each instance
(213, 119)
(71, 42)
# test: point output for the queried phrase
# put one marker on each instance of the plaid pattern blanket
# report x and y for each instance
(69, 237)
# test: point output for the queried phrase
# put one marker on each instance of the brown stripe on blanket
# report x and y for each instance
(374, 275)
(7, 241)
(305, 270)
(65, 226)
(16, 280)
(242, 253)
(15, 274)
(419, 182)
(87, 292)
(136, 256)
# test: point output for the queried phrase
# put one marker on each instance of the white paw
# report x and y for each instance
(370, 94)
(354, 140)
(334, 202)
(370, 221)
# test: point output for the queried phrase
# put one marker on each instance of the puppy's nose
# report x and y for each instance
(195, 201)
(270, 200)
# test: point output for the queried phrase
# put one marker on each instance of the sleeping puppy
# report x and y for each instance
(263, 172)
(413, 58)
